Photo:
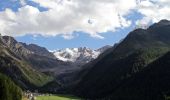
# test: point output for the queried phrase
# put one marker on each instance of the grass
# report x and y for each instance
(24, 98)
(57, 97)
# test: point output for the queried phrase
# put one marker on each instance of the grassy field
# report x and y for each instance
(58, 97)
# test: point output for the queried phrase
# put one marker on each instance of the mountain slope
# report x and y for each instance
(140, 48)
(38, 57)
(24, 49)
(76, 58)
(27, 61)
(20, 71)
(8, 90)
(150, 84)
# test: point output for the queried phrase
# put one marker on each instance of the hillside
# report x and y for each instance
(140, 48)
(38, 57)
(8, 89)
(150, 84)
(19, 70)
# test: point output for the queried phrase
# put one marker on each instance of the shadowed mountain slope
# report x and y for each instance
(109, 72)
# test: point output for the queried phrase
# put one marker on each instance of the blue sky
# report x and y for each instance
(83, 40)
(52, 38)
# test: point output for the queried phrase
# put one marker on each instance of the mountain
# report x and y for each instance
(15, 46)
(38, 57)
(79, 55)
(70, 60)
(75, 58)
(24, 49)
(17, 68)
(105, 75)
(104, 48)
(57, 62)
(152, 83)
(27, 63)
(38, 50)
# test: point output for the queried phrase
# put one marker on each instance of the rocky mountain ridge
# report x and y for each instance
(79, 55)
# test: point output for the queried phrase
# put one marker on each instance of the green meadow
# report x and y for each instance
(57, 97)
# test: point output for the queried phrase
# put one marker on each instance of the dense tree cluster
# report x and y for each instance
(8, 89)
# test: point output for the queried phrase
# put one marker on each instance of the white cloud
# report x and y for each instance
(154, 10)
(92, 17)
(23, 2)
(66, 16)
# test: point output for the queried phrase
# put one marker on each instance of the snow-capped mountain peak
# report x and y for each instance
(77, 55)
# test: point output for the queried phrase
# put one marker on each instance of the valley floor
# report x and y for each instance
(55, 97)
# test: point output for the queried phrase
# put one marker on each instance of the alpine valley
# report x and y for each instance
(137, 68)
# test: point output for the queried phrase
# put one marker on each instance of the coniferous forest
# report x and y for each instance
(8, 89)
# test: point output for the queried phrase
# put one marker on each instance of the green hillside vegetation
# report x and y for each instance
(150, 84)
(8, 90)
(104, 83)
(33, 76)
(20, 71)
(12, 67)
(134, 54)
